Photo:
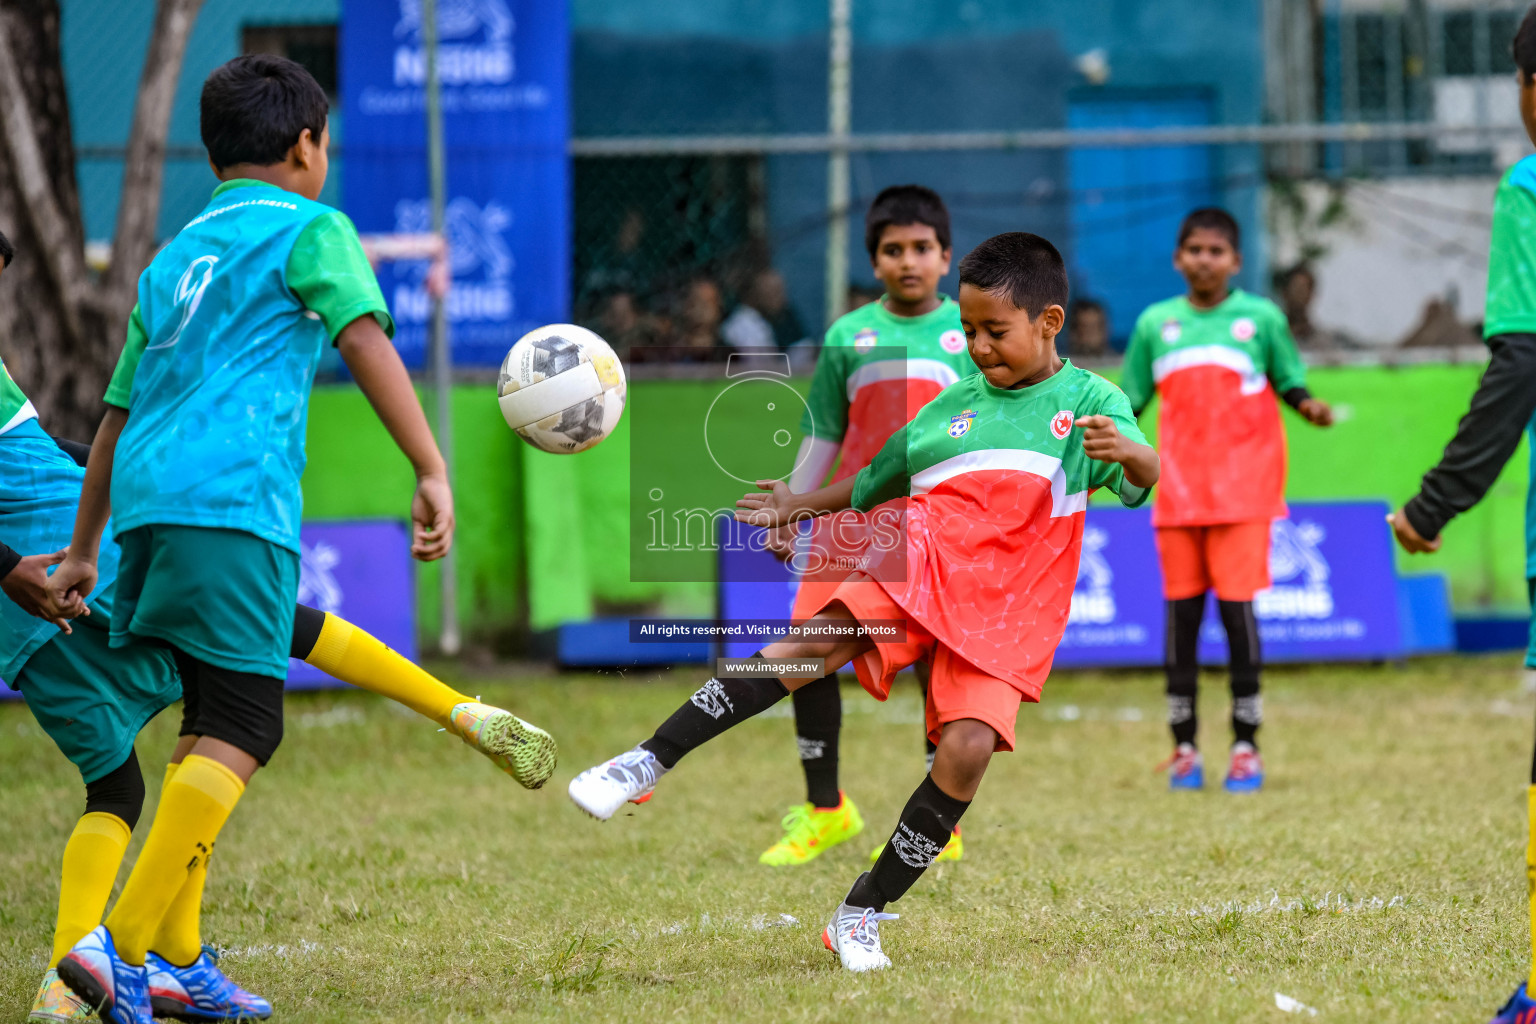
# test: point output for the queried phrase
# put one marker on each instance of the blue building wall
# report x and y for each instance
(699, 66)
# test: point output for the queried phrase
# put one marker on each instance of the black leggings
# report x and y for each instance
(120, 792)
(243, 709)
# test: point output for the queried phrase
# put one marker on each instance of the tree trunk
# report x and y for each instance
(60, 327)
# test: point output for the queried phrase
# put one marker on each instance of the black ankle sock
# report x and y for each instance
(714, 708)
(1183, 666)
(1246, 660)
(925, 826)
(818, 721)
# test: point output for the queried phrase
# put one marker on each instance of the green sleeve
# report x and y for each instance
(332, 278)
(826, 409)
(120, 388)
(1136, 377)
(1511, 301)
(1285, 369)
(1111, 474)
(886, 476)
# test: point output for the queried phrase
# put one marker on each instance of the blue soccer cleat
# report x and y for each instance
(1245, 773)
(1186, 768)
(200, 992)
(1521, 1009)
(117, 990)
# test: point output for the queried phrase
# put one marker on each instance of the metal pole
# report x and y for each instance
(839, 118)
(448, 641)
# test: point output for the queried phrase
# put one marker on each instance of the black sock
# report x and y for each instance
(925, 826)
(1183, 666)
(818, 721)
(1246, 658)
(714, 708)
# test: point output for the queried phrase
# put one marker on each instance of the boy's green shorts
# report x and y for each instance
(92, 698)
(225, 597)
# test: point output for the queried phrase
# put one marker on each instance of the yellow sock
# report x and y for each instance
(91, 859)
(356, 657)
(179, 938)
(1530, 874)
(193, 808)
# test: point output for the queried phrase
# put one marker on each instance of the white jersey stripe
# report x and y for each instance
(27, 412)
(1210, 355)
(1020, 460)
(941, 374)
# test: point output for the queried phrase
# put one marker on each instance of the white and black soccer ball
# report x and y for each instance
(561, 388)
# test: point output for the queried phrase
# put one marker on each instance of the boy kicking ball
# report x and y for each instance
(992, 478)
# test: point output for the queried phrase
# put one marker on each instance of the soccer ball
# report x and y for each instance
(561, 388)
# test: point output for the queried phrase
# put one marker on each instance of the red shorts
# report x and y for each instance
(956, 688)
(1230, 558)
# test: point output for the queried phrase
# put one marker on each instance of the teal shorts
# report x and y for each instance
(225, 597)
(92, 698)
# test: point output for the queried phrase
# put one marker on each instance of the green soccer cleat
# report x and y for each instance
(953, 850)
(56, 1004)
(523, 751)
(809, 831)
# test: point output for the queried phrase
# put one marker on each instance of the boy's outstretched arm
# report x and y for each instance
(381, 375)
(1103, 441)
(72, 582)
(776, 505)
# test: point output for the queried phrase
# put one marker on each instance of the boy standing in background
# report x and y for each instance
(1217, 357)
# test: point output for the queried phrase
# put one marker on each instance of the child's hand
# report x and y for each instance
(771, 509)
(431, 518)
(69, 586)
(27, 585)
(1408, 537)
(1102, 440)
(1316, 412)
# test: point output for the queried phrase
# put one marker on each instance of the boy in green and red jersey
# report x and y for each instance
(991, 480)
(1217, 357)
(878, 366)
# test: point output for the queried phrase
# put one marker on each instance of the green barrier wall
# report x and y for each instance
(544, 539)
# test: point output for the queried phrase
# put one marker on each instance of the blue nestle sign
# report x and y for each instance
(1334, 594)
(504, 70)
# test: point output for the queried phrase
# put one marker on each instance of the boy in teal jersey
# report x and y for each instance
(1216, 357)
(991, 480)
(201, 472)
(1500, 410)
(878, 366)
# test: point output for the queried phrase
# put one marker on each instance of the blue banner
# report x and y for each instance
(504, 69)
(1334, 594)
(362, 572)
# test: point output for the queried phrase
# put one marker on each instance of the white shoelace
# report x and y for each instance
(865, 930)
(635, 769)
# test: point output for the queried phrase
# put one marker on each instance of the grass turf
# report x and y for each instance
(381, 871)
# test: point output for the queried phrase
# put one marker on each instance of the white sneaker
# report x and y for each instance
(854, 935)
(602, 790)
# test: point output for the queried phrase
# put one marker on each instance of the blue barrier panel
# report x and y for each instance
(1424, 613)
(363, 572)
(1334, 595)
(1493, 633)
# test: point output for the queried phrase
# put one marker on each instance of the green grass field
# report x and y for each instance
(380, 871)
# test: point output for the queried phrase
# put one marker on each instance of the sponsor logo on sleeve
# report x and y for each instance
(1061, 424)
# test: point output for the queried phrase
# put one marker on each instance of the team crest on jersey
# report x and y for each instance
(865, 340)
(1172, 330)
(1061, 424)
(960, 425)
(1244, 328)
(952, 342)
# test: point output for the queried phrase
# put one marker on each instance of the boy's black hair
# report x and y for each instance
(903, 205)
(1025, 268)
(7, 250)
(1212, 218)
(1524, 46)
(255, 107)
